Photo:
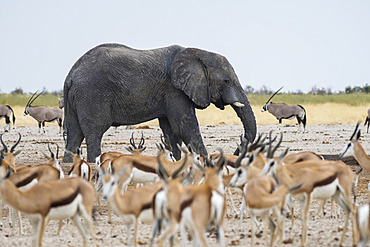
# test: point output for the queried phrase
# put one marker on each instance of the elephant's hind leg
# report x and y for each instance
(74, 137)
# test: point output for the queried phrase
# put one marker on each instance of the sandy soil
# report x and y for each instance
(322, 230)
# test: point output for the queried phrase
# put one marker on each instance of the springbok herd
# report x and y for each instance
(263, 195)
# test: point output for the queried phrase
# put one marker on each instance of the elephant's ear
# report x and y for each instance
(190, 74)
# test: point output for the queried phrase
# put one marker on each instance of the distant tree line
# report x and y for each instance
(314, 90)
(20, 91)
(250, 90)
(357, 89)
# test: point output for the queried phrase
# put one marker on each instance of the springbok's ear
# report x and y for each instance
(17, 152)
(190, 74)
(69, 152)
(189, 178)
(249, 159)
(130, 149)
(191, 150)
(7, 175)
(182, 149)
(46, 156)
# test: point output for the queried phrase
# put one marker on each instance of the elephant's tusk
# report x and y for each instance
(238, 104)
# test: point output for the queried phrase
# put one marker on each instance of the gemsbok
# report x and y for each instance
(6, 112)
(57, 199)
(43, 114)
(61, 102)
(283, 111)
(367, 120)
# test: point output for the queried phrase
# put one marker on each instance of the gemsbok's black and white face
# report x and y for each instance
(26, 112)
(265, 107)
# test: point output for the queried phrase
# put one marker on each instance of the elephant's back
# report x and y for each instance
(121, 65)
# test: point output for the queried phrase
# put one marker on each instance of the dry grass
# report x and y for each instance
(328, 113)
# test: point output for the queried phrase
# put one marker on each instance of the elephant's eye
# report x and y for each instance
(227, 81)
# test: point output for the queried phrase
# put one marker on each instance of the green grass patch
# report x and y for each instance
(355, 99)
(49, 100)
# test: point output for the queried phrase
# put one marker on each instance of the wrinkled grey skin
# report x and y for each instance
(113, 85)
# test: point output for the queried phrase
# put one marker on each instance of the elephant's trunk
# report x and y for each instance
(246, 115)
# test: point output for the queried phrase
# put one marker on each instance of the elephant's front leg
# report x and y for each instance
(185, 125)
(174, 139)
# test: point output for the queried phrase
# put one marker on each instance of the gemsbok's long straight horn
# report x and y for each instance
(28, 103)
(33, 99)
(274, 94)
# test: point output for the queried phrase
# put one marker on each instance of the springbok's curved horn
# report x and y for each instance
(221, 161)
(142, 141)
(354, 132)
(277, 145)
(161, 171)
(57, 157)
(132, 141)
(270, 153)
(257, 143)
(177, 172)
(13, 147)
(241, 156)
(51, 152)
(5, 148)
(166, 142)
(274, 94)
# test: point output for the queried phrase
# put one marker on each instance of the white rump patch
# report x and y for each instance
(326, 191)
(66, 211)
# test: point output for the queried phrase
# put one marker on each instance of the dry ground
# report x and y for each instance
(323, 139)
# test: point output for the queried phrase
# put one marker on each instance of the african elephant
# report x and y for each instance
(113, 85)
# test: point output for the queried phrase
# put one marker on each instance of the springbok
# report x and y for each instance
(321, 179)
(134, 205)
(106, 157)
(57, 199)
(283, 111)
(363, 223)
(80, 167)
(354, 148)
(10, 154)
(367, 120)
(195, 207)
(6, 112)
(43, 114)
(263, 195)
(142, 168)
(28, 176)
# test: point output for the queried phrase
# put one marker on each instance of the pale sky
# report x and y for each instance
(295, 44)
